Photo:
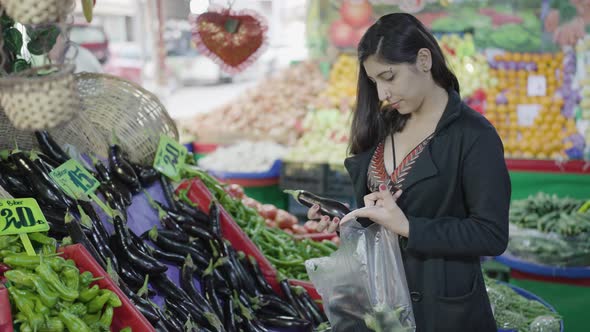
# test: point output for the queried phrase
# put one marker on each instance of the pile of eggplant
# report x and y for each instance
(235, 295)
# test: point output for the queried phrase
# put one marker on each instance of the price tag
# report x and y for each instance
(78, 183)
(22, 216)
(74, 179)
(170, 157)
(527, 114)
(537, 85)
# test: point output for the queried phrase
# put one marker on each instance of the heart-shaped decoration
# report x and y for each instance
(233, 39)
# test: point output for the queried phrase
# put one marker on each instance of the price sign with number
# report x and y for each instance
(527, 114)
(21, 215)
(74, 179)
(170, 157)
(537, 86)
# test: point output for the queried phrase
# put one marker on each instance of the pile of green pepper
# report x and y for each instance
(49, 293)
(287, 254)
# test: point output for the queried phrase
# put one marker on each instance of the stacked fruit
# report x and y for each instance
(471, 68)
(546, 132)
(583, 54)
(325, 137)
(341, 91)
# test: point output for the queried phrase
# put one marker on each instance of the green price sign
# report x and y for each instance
(21, 215)
(170, 157)
(74, 179)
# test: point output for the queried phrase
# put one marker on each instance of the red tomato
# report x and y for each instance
(235, 190)
(268, 211)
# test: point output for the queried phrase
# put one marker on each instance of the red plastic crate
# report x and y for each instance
(125, 315)
(200, 194)
(5, 314)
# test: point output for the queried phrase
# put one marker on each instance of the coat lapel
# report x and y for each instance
(422, 167)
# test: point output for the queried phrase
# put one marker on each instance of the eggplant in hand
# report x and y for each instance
(328, 207)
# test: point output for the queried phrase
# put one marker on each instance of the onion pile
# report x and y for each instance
(270, 111)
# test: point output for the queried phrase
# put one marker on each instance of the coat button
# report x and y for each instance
(416, 296)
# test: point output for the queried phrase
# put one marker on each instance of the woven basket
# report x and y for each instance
(38, 11)
(34, 102)
(77, 132)
(133, 114)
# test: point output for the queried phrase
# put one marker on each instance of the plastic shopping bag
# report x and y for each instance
(363, 284)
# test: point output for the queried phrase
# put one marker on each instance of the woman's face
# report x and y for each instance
(404, 86)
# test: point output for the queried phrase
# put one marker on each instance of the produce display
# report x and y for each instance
(275, 217)
(532, 124)
(286, 253)
(324, 139)
(583, 82)
(470, 67)
(49, 293)
(550, 230)
(159, 265)
(244, 157)
(269, 111)
(514, 312)
(341, 90)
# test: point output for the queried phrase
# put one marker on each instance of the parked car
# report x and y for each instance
(93, 38)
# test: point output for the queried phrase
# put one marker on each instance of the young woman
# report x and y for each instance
(429, 168)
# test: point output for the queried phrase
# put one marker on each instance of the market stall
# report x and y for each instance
(131, 231)
(522, 65)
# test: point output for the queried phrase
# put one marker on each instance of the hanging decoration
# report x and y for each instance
(233, 39)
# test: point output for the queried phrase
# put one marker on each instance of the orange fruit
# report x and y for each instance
(541, 155)
(526, 57)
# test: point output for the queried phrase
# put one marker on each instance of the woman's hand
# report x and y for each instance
(325, 223)
(381, 208)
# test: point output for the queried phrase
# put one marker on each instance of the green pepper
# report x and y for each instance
(98, 302)
(6, 241)
(20, 278)
(294, 262)
(114, 300)
(57, 263)
(40, 307)
(73, 322)
(71, 277)
(126, 329)
(25, 303)
(47, 295)
(99, 327)
(47, 249)
(25, 327)
(20, 317)
(7, 252)
(107, 316)
(88, 294)
(86, 278)
(52, 324)
(78, 309)
(92, 318)
(42, 239)
(49, 276)
(24, 261)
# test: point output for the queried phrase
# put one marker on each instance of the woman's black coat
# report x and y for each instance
(456, 198)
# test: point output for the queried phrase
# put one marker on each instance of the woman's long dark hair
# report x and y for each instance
(394, 38)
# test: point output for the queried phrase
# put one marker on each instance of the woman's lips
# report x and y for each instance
(395, 104)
